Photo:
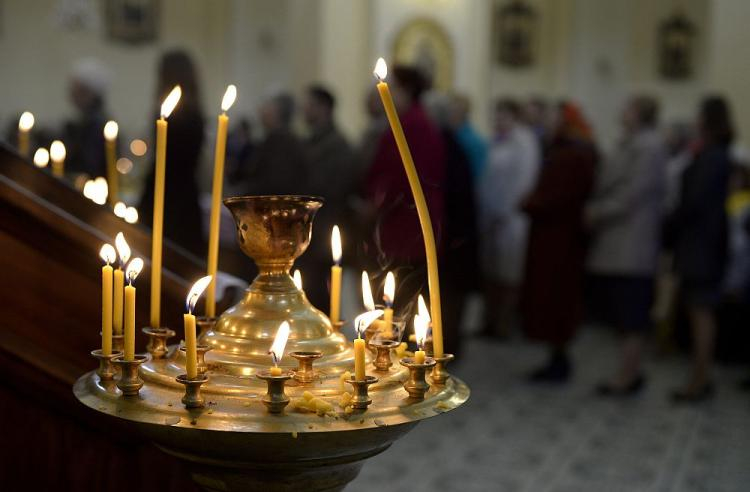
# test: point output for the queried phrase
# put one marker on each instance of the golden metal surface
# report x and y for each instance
(275, 398)
(129, 381)
(439, 373)
(193, 397)
(304, 373)
(361, 399)
(383, 349)
(106, 371)
(416, 385)
(157, 341)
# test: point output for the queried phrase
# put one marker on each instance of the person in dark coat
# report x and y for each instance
(182, 213)
(552, 296)
(697, 230)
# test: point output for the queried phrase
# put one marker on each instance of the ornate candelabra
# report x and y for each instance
(232, 425)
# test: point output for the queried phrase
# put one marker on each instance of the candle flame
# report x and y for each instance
(420, 329)
(196, 291)
(88, 189)
(57, 151)
(133, 269)
(110, 130)
(336, 244)
(381, 69)
(26, 121)
(229, 97)
(131, 215)
(99, 191)
(367, 299)
(107, 253)
(364, 320)
(423, 311)
(123, 248)
(279, 342)
(171, 101)
(297, 278)
(41, 157)
(389, 290)
(119, 209)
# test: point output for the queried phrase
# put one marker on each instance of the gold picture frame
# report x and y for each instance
(426, 44)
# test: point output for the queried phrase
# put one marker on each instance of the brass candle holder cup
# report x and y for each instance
(275, 399)
(361, 399)
(382, 361)
(118, 343)
(439, 374)
(200, 351)
(416, 385)
(157, 341)
(205, 326)
(106, 370)
(130, 382)
(192, 397)
(337, 326)
(304, 372)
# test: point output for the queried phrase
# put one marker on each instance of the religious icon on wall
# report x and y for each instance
(676, 47)
(425, 44)
(132, 21)
(514, 34)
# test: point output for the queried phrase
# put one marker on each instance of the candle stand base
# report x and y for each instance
(439, 374)
(382, 361)
(193, 397)
(416, 385)
(157, 341)
(106, 371)
(200, 351)
(130, 382)
(304, 372)
(205, 326)
(275, 400)
(361, 400)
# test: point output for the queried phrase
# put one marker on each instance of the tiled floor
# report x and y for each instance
(513, 437)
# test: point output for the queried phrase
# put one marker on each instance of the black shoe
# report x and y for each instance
(632, 389)
(557, 370)
(705, 393)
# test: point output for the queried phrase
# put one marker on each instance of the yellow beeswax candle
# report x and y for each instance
(25, 123)
(191, 343)
(359, 359)
(131, 272)
(107, 253)
(336, 275)
(428, 234)
(110, 147)
(419, 356)
(275, 371)
(216, 193)
(157, 227)
(57, 154)
(117, 290)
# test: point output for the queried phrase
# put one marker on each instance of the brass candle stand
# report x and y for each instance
(275, 398)
(383, 350)
(205, 326)
(118, 343)
(239, 444)
(130, 382)
(106, 371)
(304, 372)
(200, 351)
(361, 399)
(192, 397)
(416, 384)
(439, 373)
(157, 341)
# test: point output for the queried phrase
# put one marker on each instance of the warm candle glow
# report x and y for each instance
(389, 290)
(364, 320)
(26, 121)
(110, 130)
(229, 96)
(107, 253)
(171, 101)
(131, 215)
(57, 151)
(336, 244)
(119, 209)
(133, 269)
(381, 69)
(277, 348)
(367, 299)
(420, 329)
(297, 278)
(422, 307)
(195, 292)
(41, 157)
(100, 191)
(88, 189)
(123, 248)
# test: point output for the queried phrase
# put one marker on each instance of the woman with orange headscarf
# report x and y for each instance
(552, 298)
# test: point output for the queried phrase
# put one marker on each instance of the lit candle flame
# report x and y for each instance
(99, 191)
(336, 244)
(119, 209)
(171, 101)
(195, 293)
(381, 69)
(423, 311)
(133, 269)
(57, 151)
(123, 248)
(26, 121)
(297, 278)
(420, 329)
(41, 157)
(279, 342)
(88, 189)
(229, 97)
(389, 289)
(110, 130)
(364, 320)
(131, 215)
(367, 299)
(107, 253)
